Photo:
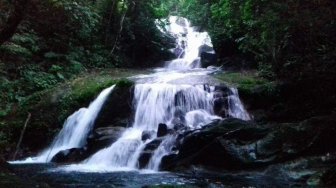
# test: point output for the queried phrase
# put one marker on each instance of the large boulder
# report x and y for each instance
(221, 101)
(103, 137)
(162, 130)
(72, 155)
(208, 59)
(117, 109)
(237, 144)
(148, 151)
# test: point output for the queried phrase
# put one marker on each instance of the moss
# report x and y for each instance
(248, 82)
(247, 79)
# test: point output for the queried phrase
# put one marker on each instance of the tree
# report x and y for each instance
(13, 20)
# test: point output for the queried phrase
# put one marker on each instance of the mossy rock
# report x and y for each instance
(51, 107)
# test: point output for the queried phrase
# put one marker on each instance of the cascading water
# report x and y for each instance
(156, 100)
(236, 108)
(188, 42)
(75, 130)
(155, 103)
(162, 102)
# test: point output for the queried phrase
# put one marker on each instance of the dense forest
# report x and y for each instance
(289, 45)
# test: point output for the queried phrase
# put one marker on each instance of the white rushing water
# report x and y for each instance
(156, 100)
(74, 131)
(154, 104)
(236, 108)
(188, 42)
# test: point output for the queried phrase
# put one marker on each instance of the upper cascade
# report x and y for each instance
(189, 44)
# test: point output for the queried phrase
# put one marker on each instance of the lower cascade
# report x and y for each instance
(75, 130)
(162, 111)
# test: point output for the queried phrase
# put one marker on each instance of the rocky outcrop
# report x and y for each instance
(117, 109)
(98, 139)
(162, 130)
(148, 151)
(237, 144)
(207, 55)
(221, 101)
(72, 155)
(103, 137)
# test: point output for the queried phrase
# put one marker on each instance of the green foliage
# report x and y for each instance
(16, 50)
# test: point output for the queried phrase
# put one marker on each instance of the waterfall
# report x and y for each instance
(74, 131)
(236, 108)
(188, 43)
(157, 100)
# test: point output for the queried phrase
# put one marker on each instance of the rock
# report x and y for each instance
(144, 159)
(70, 156)
(103, 137)
(221, 102)
(205, 48)
(195, 63)
(147, 135)
(117, 108)
(168, 161)
(223, 90)
(208, 59)
(147, 152)
(162, 130)
(178, 126)
(237, 144)
(181, 21)
(221, 107)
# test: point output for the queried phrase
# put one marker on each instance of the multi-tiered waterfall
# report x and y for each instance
(157, 100)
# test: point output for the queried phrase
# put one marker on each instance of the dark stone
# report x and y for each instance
(221, 107)
(147, 135)
(224, 90)
(147, 153)
(144, 159)
(162, 130)
(205, 48)
(70, 156)
(237, 144)
(117, 108)
(208, 59)
(103, 137)
(221, 102)
(168, 161)
(178, 126)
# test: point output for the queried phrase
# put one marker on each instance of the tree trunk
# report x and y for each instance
(13, 20)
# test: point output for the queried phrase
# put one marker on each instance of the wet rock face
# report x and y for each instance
(117, 109)
(148, 151)
(221, 101)
(98, 139)
(237, 144)
(146, 135)
(70, 156)
(162, 130)
(103, 137)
